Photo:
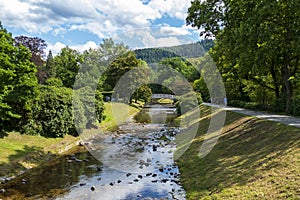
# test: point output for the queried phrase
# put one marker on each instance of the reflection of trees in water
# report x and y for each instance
(54, 177)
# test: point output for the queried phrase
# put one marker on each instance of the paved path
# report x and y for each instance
(284, 119)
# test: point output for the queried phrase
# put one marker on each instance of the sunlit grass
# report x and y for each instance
(253, 159)
(116, 113)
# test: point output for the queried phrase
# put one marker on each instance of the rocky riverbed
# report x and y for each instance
(134, 163)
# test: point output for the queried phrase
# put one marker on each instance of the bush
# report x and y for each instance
(53, 113)
(54, 82)
(187, 102)
(237, 103)
(142, 117)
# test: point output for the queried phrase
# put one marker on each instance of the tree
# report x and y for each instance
(67, 64)
(183, 67)
(50, 66)
(143, 93)
(37, 47)
(119, 67)
(18, 84)
(256, 40)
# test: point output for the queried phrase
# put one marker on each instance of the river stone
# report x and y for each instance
(128, 174)
(99, 169)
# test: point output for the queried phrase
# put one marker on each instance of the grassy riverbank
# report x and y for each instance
(20, 152)
(253, 159)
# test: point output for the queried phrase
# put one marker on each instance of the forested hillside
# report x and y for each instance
(193, 50)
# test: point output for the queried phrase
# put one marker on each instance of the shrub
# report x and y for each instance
(187, 102)
(54, 111)
(54, 82)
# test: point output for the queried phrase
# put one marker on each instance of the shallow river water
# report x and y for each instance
(134, 163)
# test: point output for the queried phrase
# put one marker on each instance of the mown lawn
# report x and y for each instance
(116, 113)
(20, 152)
(253, 159)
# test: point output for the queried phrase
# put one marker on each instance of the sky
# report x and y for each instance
(83, 24)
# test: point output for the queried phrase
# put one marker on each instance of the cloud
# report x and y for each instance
(173, 8)
(99, 17)
(56, 48)
(147, 38)
(175, 31)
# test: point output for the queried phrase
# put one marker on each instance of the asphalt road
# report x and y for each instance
(284, 119)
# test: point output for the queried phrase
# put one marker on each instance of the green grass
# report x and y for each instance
(165, 101)
(19, 152)
(116, 113)
(253, 159)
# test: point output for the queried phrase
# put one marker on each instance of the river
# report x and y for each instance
(135, 162)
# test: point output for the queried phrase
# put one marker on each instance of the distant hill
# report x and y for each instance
(193, 50)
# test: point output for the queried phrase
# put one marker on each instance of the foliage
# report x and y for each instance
(257, 41)
(18, 82)
(36, 46)
(210, 83)
(188, 102)
(183, 67)
(153, 55)
(54, 111)
(53, 115)
(54, 82)
(193, 50)
(67, 64)
(119, 67)
(50, 66)
(143, 93)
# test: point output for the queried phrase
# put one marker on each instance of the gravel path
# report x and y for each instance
(284, 119)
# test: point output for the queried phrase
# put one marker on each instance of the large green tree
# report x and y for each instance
(67, 64)
(18, 83)
(257, 43)
(119, 67)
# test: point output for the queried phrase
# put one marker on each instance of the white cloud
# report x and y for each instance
(86, 46)
(104, 18)
(99, 17)
(175, 31)
(145, 38)
(56, 48)
(174, 8)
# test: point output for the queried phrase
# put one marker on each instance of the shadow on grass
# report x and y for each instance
(29, 155)
(51, 178)
(249, 150)
(3, 133)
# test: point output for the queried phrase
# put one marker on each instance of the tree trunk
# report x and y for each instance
(288, 88)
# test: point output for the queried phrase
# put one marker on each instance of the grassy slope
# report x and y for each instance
(253, 159)
(116, 112)
(20, 152)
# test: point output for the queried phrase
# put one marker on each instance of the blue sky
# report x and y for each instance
(82, 24)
